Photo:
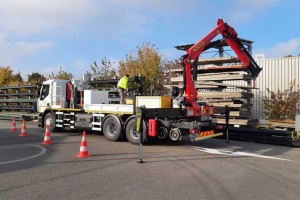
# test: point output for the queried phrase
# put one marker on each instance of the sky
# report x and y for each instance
(43, 35)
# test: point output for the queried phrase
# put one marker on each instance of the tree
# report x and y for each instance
(5, 75)
(36, 78)
(17, 78)
(103, 72)
(281, 104)
(166, 74)
(62, 74)
(146, 62)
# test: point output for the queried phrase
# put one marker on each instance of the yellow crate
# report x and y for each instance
(154, 101)
(129, 101)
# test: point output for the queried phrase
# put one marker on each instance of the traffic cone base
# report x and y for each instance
(23, 130)
(13, 126)
(47, 142)
(47, 138)
(83, 155)
(24, 134)
(83, 152)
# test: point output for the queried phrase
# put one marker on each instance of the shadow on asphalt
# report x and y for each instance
(36, 136)
(147, 158)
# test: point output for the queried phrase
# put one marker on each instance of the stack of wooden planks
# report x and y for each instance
(220, 85)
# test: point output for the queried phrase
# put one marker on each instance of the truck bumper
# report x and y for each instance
(207, 136)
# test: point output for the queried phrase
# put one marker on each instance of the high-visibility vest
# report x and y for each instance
(122, 83)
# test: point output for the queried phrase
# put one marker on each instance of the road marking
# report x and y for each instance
(236, 153)
(43, 151)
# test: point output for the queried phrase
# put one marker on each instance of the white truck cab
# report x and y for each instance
(53, 94)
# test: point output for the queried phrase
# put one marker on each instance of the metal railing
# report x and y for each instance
(19, 98)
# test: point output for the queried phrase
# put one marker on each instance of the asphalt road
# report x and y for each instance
(209, 169)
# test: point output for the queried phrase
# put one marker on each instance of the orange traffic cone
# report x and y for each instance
(13, 126)
(83, 152)
(23, 130)
(47, 138)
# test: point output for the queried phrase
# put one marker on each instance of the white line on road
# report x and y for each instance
(236, 153)
(43, 151)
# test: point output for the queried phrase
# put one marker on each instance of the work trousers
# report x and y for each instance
(122, 95)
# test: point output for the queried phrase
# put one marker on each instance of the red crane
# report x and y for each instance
(193, 53)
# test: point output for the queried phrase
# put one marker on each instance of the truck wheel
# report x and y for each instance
(131, 135)
(112, 128)
(50, 120)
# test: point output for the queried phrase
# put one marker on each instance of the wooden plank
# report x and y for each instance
(225, 85)
(231, 104)
(223, 77)
(231, 68)
(237, 121)
(219, 100)
(242, 114)
(219, 60)
(221, 67)
(197, 86)
(213, 85)
(229, 95)
(282, 123)
(221, 74)
(213, 68)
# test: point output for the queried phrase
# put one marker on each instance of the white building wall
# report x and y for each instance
(276, 74)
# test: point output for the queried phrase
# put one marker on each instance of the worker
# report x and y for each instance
(122, 86)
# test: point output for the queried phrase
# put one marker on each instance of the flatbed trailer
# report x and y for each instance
(67, 105)
(279, 133)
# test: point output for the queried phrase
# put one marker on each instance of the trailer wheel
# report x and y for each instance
(50, 120)
(112, 128)
(131, 135)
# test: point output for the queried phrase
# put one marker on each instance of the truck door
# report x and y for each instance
(44, 99)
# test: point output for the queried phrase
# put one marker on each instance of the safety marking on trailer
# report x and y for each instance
(236, 153)
(43, 151)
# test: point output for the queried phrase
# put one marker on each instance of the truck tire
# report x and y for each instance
(50, 120)
(131, 135)
(112, 128)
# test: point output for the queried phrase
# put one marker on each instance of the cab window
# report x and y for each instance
(44, 92)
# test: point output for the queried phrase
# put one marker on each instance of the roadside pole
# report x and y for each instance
(139, 130)
(227, 121)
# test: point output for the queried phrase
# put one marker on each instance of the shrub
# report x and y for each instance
(282, 104)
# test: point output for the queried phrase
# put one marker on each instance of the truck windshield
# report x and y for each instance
(44, 91)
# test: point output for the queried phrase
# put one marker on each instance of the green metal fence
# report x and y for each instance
(19, 98)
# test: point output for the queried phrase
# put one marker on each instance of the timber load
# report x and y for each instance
(224, 82)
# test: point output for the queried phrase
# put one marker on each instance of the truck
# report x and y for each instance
(71, 104)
